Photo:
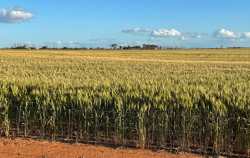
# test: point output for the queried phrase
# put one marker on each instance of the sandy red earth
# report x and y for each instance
(19, 148)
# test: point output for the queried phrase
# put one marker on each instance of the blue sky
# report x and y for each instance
(98, 23)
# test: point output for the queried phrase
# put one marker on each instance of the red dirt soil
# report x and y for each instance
(31, 149)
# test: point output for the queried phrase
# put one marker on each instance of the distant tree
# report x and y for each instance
(43, 47)
(24, 46)
(120, 47)
(114, 46)
(137, 47)
(27, 45)
(153, 46)
(65, 48)
(221, 47)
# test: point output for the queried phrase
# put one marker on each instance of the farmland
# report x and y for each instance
(201, 95)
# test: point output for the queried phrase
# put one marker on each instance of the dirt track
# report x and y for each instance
(29, 148)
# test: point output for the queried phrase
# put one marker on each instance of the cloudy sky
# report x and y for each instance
(99, 23)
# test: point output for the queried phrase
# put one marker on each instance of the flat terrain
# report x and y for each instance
(115, 66)
(187, 99)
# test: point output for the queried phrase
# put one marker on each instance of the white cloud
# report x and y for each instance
(237, 40)
(164, 33)
(225, 34)
(53, 44)
(17, 8)
(95, 39)
(3, 12)
(183, 38)
(152, 39)
(15, 14)
(73, 45)
(135, 30)
(195, 35)
(192, 34)
(138, 43)
(131, 43)
(229, 34)
(245, 35)
(125, 43)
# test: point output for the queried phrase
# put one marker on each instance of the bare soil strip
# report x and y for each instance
(31, 149)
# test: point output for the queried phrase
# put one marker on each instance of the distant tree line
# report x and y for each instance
(236, 47)
(113, 47)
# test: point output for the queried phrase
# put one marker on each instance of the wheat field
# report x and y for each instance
(202, 94)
